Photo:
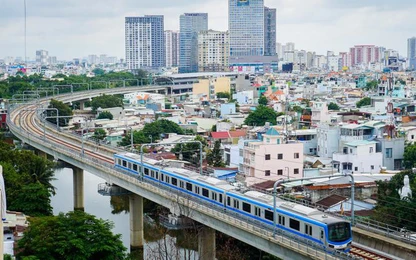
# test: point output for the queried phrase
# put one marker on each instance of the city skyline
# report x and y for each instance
(317, 25)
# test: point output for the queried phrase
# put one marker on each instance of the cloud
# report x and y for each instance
(76, 28)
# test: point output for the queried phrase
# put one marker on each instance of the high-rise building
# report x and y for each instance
(213, 50)
(269, 31)
(190, 25)
(246, 24)
(145, 42)
(42, 57)
(364, 54)
(93, 59)
(172, 48)
(411, 52)
(290, 46)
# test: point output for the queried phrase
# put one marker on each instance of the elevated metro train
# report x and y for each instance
(309, 224)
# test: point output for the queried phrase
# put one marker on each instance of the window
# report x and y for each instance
(345, 150)
(296, 155)
(257, 211)
(152, 174)
(189, 186)
(296, 171)
(280, 172)
(356, 169)
(181, 184)
(213, 195)
(205, 192)
(228, 201)
(281, 220)
(135, 167)
(279, 156)
(174, 181)
(220, 198)
(129, 165)
(268, 215)
(267, 157)
(119, 161)
(167, 179)
(350, 150)
(246, 207)
(157, 175)
(124, 163)
(413, 137)
(146, 171)
(389, 152)
(322, 234)
(308, 229)
(372, 167)
(236, 204)
(196, 189)
(294, 224)
(267, 172)
(162, 177)
(371, 149)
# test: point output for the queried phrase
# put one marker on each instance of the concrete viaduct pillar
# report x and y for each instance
(78, 175)
(206, 243)
(41, 154)
(136, 222)
(81, 105)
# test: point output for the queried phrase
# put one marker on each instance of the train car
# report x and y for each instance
(306, 223)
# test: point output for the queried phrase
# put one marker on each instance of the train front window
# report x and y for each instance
(339, 232)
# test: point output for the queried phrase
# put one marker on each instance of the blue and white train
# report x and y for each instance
(307, 223)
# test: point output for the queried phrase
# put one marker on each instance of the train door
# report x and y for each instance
(322, 235)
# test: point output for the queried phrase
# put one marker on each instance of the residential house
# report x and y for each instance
(270, 158)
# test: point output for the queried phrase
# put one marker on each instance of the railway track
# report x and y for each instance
(29, 122)
(366, 254)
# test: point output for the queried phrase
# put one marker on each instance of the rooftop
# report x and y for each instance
(360, 142)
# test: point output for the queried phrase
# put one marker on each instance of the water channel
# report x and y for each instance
(158, 244)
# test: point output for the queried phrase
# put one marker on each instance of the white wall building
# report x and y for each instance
(328, 140)
(358, 157)
(172, 48)
(320, 113)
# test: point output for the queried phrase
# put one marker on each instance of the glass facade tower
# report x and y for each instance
(246, 24)
(190, 25)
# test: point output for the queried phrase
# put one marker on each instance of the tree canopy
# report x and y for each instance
(155, 129)
(214, 157)
(106, 101)
(409, 156)
(99, 134)
(372, 84)
(28, 181)
(261, 115)
(74, 235)
(333, 106)
(364, 102)
(224, 95)
(263, 101)
(190, 151)
(105, 115)
(390, 208)
(64, 110)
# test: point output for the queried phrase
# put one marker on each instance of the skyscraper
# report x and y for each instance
(364, 54)
(42, 57)
(411, 52)
(269, 31)
(145, 42)
(246, 24)
(172, 48)
(190, 25)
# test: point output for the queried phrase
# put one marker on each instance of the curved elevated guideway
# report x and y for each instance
(25, 124)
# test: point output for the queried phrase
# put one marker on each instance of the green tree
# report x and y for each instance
(33, 200)
(224, 95)
(64, 110)
(190, 151)
(297, 109)
(106, 101)
(333, 106)
(263, 101)
(372, 84)
(261, 115)
(214, 157)
(409, 156)
(100, 134)
(364, 102)
(98, 71)
(390, 208)
(74, 235)
(104, 115)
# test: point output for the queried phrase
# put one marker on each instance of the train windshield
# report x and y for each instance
(339, 232)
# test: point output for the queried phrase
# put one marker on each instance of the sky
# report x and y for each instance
(77, 28)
